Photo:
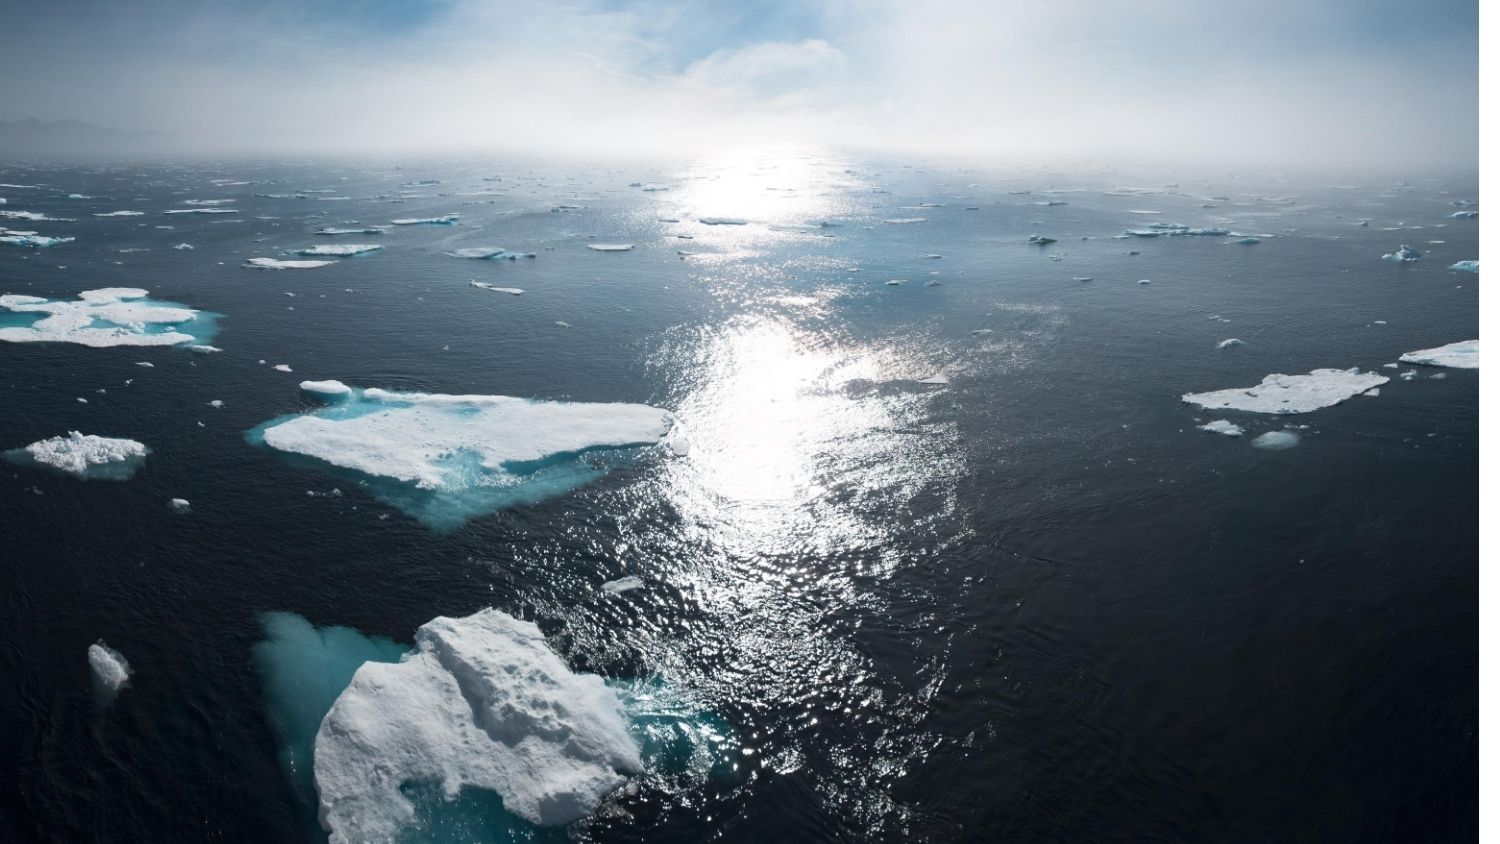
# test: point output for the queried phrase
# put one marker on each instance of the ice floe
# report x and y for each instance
(1466, 266)
(329, 230)
(1232, 341)
(1404, 255)
(445, 220)
(341, 250)
(1040, 240)
(484, 252)
(325, 388)
(110, 670)
(110, 316)
(1461, 355)
(445, 459)
(611, 247)
(31, 240)
(202, 211)
(121, 214)
(722, 221)
(1276, 440)
(1222, 426)
(278, 264)
(627, 583)
(1280, 394)
(179, 505)
(84, 456)
(481, 702)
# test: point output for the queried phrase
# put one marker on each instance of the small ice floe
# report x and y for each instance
(31, 216)
(201, 211)
(445, 220)
(31, 240)
(1461, 355)
(480, 252)
(183, 247)
(1040, 240)
(1144, 281)
(277, 264)
(1404, 255)
(121, 214)
(561, 324)
(110, 670)
(896, 281)
(281, 367)
(108, 316)
(611, 247)
(1466, 266)
(1276, 440)
(624, 584)
(1281, 394)
(341, 250)
(332, 230)
(325, 388)
(901, 221)
(1083, 278)
(932, 255)
(146, 363)
(202, 349)
(216, 403)
(1464, 215)
(481, 703)
(1222, 426)
(982, 332)
(179, 505)
(722, 221)
(1232, 341)
(84, 456)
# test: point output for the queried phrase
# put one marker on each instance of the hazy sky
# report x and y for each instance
(1362, 82)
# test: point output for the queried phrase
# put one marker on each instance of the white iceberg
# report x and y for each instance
(1040, 240)
(1464, 215)
(277, 264)
(722, 221)
(179, 505)
(202, 211)
(84, 456)
(110, 669)
(1461, 355)
(1281, 394)
(446, 220)
(481, 702)
(326, 388)
(484, 252)
(31, 240)
(330, 230)
(1232, 341)
(900, 221)
(1404, 255)
(342, 250)
(121, 214)
(1222, 426)
(445, 459)
(109, 316)
(1276, 440)
(1466, 266)
(611, 247)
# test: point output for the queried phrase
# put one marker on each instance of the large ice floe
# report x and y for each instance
(1461, 355)
(341, 250)
(109, 316)
(84, 456)
(444, 459)
(1282, 394)
(480, 732)
(110, 669)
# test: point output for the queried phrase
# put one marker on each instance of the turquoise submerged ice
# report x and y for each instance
(109, 316)
(479, 733)
(445, 459)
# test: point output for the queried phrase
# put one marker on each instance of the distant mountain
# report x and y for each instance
(72, 137)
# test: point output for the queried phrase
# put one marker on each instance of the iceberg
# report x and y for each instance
(1040, 240)
(179, 505)
(611, 247)
(1464, 215)
(444, 459)
(1461, 355)
(109, 316)
(722, 221)
(329, 230)
(1276, 440)
(277, 264)
(627, 583)
(31, 240)
(1404, 255)
(110, 669)
(84, 456)
(446, 220)
(201, 211)
(483, 252)
(1222, 426)
(482, 702)
(1466, 266)
(1232, 341)
(326, 388)
(32, 216)
(1282, 394)
(342, 250)
(899, 221)
(121, 214)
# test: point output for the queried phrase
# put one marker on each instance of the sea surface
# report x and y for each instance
(1032, 603)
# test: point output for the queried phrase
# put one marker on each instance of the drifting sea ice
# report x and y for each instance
(1466, 266)
(342, 250)
(444, 459)
(326, 388)
(624, 584)
(1232, 341)
(328, 230)
(1461, 355)
(121, 214)
(1222, 426)
(110, 670)
(109, 316)
(1280, 394)
(31, 240)
(84, 456)
(201, 211)
(1276, 440)
(446, 220)
(1404, 255)
(611, 247)
(277, 264)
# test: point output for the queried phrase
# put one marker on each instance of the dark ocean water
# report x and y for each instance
(1035, 604)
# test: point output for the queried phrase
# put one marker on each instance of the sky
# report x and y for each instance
(1350, 82)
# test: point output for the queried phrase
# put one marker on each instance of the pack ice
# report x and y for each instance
(1461, 355)
(1282, 394)
(445, 459)
(109, 316)
(482, 702)
(84, 456)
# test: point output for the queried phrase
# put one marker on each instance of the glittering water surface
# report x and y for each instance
(943, 558)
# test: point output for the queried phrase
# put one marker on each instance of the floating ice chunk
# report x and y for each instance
(481, 702)
(514, 291)
(31, 240)
(31, 216)
(276, 264)
(179, 505)
(1464, 215)
(611, 247)
(342, 250)
(1247, 241)
(1040, 240)
(938, 378)
(447, 458)
(281, 367)
(110, 669)
(478, 252)
(330, 230)
(1083, 278)
(202, 211)
(1232, 341)
(201, 349)
(722, 221)
(1461, 355)
(624, 584)
(1466, 266)
(1222, 426)
(121, 214)
(446, 220)
(1276, 440)
(1282, 394)
(326, 388)
(84, 456)
(183, 247)
(1404, 255)
(104, 317)
(898, 221)
(216, 403)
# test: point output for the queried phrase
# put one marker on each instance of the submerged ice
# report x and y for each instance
(1279, 393)
(444, 459)
(110, 316)
(110, 670)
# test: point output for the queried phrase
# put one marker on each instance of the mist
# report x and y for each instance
(1375, 85)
